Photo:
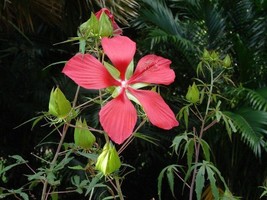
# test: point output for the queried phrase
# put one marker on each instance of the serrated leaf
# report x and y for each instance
(170, 178)
(206, 149)
(200, 179)
(218, 173)
(18, 159)
(24, 195)
(177, 141)
(212, 180)
(189, 147)
(88, 155)
(169, 172)
(93, 183)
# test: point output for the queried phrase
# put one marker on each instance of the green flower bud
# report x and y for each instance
(206, 55)
(214, 56)
(227, 61)
(108, 161)
(105, 26)
(192, 94)
(59, 106)
(99, 25)
(82, 135)
(89, 28)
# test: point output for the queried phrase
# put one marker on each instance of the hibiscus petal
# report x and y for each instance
(88, 72)
(118, 118)
(158, 112)
(120, 50)
(153, 69)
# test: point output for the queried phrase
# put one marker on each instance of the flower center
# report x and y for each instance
(123, 84)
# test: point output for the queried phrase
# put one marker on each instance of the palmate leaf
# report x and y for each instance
(170, 171)
(200, 179)
(252, 126)
(206, 171)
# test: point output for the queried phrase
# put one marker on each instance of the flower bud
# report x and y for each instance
(227, 61)
(192, 94)
(116, 30)
(59, 106)
(108, 161)
(100, 24)
(82, 135)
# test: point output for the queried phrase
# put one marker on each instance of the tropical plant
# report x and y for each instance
(181, 30)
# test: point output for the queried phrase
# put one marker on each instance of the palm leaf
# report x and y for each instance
(252, 126)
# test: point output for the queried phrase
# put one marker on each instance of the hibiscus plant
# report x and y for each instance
(127, 95)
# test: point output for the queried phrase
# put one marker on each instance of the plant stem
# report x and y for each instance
(53, 162)
(118, 186)
(201, 132)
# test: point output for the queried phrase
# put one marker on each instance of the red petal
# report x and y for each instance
(158, 112)
(88, 72)
(153, 69)
(118, 118)
(120, 50)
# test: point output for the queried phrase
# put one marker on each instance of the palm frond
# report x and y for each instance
(157, 13)
(158, 36)
(256, 99)
(215, 25)
(251, 124)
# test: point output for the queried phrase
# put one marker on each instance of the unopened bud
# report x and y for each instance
(227, 61)
(192, 94)
(82, 135)
(59, 106)
(108, 161)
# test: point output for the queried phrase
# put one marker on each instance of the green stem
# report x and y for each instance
(202, 130)
(118, 186)
(53, 162)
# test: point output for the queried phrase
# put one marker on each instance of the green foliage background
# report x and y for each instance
(178, 30)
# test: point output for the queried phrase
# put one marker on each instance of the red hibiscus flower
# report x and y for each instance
(116, 29)
(118, 117)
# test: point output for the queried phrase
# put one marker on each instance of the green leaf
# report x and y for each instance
(88, 155)
(169, 171)
(147, 138)
(200, 179)
(189, 148)
(24, 195)
(170, 178)
(94, 184)
(77, 167)
(212, 181)
(177, 141)
(206, 149)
